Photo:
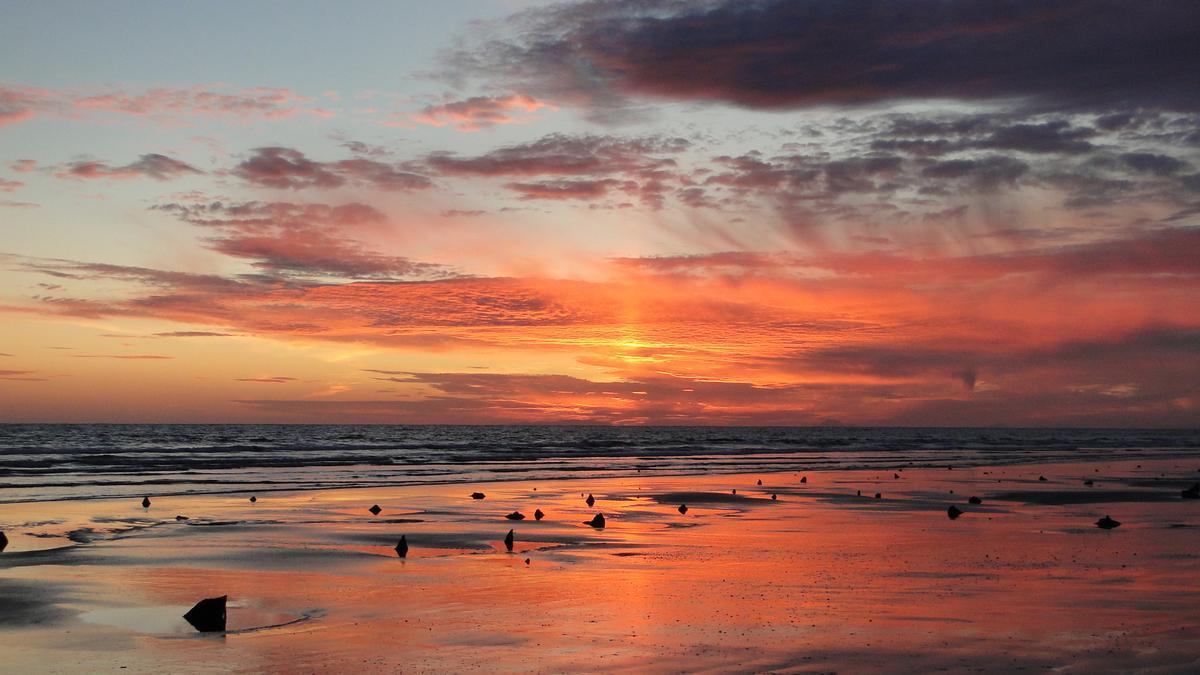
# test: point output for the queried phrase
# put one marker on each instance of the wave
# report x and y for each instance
(71, 461)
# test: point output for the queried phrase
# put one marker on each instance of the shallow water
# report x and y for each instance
(820, 579)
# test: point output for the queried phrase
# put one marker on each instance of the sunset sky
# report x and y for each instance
(724, 212)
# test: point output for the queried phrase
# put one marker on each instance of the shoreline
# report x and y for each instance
(503, 470)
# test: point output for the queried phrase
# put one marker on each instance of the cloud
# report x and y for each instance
(938, 175)
(285, 168)
(479, 112)
(10, 185)
(266, 380)
(562, 189)
(21, 376)
(508, 398)
(19, 103)
(192, 333)
(787, 54)
(1150, 254)
(565, 155)
(1155, 164)
(1056, 136)
(985, 173)
(300, 239)
(1100, 327)
(130, 357)
(640, 166)
(158, 167)
(264, 102)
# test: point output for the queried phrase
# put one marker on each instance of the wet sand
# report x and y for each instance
(820, 579)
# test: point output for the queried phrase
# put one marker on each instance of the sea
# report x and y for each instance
(40, 462)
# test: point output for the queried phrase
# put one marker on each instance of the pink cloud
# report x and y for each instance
(21, 103)
(18, 103)
(264, 102)
(480, 112)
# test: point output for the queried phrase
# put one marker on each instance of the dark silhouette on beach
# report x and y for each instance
(402, 547)
(1107, 523)
(477, 495)
(597, 522)
(953, 512)
(145, 502)
(208, 616)
(375, 510)
(538, 515)
(591, 501)
(508, 541)
(516, 515)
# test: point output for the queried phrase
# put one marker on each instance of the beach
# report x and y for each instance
(823, 577)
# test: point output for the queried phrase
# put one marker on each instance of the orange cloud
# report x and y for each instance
(740, 337)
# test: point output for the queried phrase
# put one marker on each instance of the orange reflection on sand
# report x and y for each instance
(818, 577)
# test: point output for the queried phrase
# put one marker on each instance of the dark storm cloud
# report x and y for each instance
(777, 54)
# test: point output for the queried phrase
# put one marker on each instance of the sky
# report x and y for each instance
(770, 212)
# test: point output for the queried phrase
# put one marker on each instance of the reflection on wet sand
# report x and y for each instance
(824, 577)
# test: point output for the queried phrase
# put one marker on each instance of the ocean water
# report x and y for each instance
(64, 461)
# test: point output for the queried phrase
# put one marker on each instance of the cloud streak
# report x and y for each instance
(20, 103)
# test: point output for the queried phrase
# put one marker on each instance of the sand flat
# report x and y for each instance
(820, 580)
